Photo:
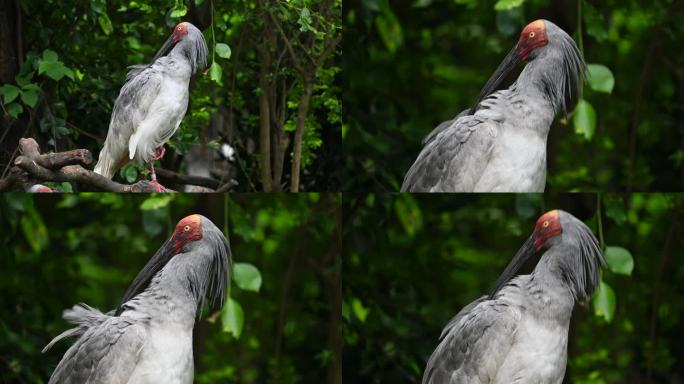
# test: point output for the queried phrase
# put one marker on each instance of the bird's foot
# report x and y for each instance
(158, 187)
(158, 153)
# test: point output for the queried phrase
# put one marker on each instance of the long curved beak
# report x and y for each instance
(165, 49)
(142, 280)
(524, 253)
(507, 65)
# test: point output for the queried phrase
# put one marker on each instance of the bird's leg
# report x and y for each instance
(158, 153)
(157, 186)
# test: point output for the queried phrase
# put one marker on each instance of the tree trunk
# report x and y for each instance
(302, 112)
(335, 330)
(9, 59)
(265, 120)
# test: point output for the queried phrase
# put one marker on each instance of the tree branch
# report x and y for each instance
(31, 167)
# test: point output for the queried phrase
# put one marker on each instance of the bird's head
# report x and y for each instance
(180, 31)
(198, 254)
(544, 41)
(570, 246)
(189, 40)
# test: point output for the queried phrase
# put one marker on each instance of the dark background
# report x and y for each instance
(409, 65)
(58, 251)
(411, 262)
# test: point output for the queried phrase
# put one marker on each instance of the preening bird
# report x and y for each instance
(499, 145)
(152, 103)
(148, 338)
(519, 333)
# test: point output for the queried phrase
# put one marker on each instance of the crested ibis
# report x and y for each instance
(499, 145)
(148, 338)
(152, 103)
(519, 333)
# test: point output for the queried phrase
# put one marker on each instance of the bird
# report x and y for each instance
(148, 337)
(152, 103)
(499, 144)
(519, 332)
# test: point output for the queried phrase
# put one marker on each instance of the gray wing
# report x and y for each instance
(106, 353)
(130, 109)
(453, 157)
(473, 344)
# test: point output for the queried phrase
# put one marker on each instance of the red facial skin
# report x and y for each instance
(187, 230)
(532, 37)
(180, 31)
(547, 227)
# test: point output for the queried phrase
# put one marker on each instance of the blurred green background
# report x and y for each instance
(64, 62)
(411, 262)
(61, 250)
(409, 65)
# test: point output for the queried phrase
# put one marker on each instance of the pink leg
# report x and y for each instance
(159, 153)
(157, 186)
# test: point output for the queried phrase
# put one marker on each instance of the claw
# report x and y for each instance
(157, 186)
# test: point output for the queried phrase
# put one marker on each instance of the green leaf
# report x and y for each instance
(600, 78)
(223, 50)
(215, 73)
(232, 318)
(198, 2)
(34, 230)
(409, 214)
(55, 70)
(505, 5)
(105, 24)
(604, 302)
(180, 11)
(29, 97)
(389, 28)
(359, 310)
(615, 209)
(247, 277)
(584, 119)
(619, 260)
(129, 173)
(156, 201)
(14, 109)
(66, 187)
(9, 93)
(49, 55)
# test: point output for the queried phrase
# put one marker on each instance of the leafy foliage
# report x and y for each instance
(78, 53)
(412, 65)
(62, 250)
(411, 262)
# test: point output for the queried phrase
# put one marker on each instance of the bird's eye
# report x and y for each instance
(545, 224)
(180, 28)
(531, 34)
(186, 228)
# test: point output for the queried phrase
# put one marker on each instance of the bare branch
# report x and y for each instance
(32, 167)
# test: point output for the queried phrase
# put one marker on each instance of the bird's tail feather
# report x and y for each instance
(82, 315)
(104, 164)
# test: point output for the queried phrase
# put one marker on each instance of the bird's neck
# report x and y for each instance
(543, 79)
(167, 298)
(549, 284)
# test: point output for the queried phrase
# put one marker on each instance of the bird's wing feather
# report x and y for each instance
(130, 109)
(453, 157)
(474, 343)
(106, 353)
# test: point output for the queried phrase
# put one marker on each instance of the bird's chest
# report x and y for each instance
(517, 163)
(172, 100)
(166, 357)
(538, 355)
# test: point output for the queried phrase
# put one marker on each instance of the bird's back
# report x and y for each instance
(519, 336)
